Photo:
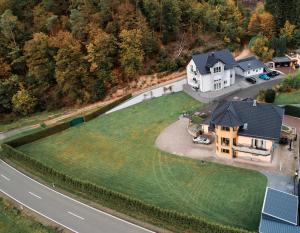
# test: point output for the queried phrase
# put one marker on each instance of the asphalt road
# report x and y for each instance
(59, 208)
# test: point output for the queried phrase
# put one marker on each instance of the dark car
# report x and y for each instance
(273, 74)
(251, 80)
(284, 141)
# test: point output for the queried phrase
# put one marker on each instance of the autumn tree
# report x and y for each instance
(288, 30)
(261, 49)
(70, 66)
(8, 87)
(131, 52)
(23, 102)
(5, 69)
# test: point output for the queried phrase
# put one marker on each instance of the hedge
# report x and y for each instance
(292, 110)
(118, 199)
(106, 108)
(38, 135)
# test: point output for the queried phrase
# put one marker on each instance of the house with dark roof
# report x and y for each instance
(249, 67)
(245, 129)
(279, 213)
(212, 71)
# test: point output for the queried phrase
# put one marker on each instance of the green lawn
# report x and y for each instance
(288, 98)
(117, 151)
(12, 221)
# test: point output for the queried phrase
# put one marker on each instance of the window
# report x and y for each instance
(225, 141)
(225, 82)
(225, 128)
(249, 72)
(217, 69)
(191, 67)
(231, 76)
(226, 151)
(259, 144)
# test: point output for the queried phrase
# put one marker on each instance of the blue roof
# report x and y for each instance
(280, 206)
(204, 61)
(250, 63)
(269, 226)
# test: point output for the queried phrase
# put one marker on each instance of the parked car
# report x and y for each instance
(273, 74)
(283, 141)
(201, 140)
(264, 77)
(251, 80)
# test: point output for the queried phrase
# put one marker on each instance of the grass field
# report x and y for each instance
(12, 221)
(288, 98)
(117, 151)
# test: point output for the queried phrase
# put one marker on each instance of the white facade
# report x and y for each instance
(216, 80)
(250, 72)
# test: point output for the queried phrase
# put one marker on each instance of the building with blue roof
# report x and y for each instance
(212, 71)
(250, 67)
(279, 212)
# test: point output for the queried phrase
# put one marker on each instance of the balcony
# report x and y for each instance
(252, 150)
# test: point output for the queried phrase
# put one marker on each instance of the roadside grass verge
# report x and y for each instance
(117, 151)
(13, 221)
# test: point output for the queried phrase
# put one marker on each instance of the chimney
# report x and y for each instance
(254, 103)
(245, 126)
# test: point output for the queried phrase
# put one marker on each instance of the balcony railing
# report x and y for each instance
(252, 150)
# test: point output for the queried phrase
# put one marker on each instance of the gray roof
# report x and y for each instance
(263, 120)
(269, 226)
(281, 59)
(205, 61)
(250, 63)
(279, 213)
(280, 206)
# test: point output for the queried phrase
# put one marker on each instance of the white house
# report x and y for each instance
(211, 71)
(249, 67)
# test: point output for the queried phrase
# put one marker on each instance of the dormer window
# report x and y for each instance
(217, 69)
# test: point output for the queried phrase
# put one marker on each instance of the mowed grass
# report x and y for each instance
(288, 98)
(12, 221)
(117, 151)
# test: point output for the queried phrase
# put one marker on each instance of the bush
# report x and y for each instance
(292, 110)
(270, 96)
(118, 199)
(197, 120)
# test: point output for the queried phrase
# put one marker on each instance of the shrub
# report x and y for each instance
(292, 110)
(270, 96)
(197, 120)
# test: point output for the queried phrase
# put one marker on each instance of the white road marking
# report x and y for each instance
(45, 216)
(81, 203)
(75, 215)
(34, 195)
(6, 178)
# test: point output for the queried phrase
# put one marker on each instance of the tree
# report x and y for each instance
(78, 24)
(288, 30)
(8, 87)
(101, 51)
(267, 24)
(170, 20)
(8, 26)
(70, 66)
(131, 52)
(39, 59)
(40, 17)
(5, 69)
(23, 102)
(261, 49)
(270, 96)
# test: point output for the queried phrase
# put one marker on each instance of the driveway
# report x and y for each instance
(176, 140)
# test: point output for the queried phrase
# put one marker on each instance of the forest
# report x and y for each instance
(58, 53)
